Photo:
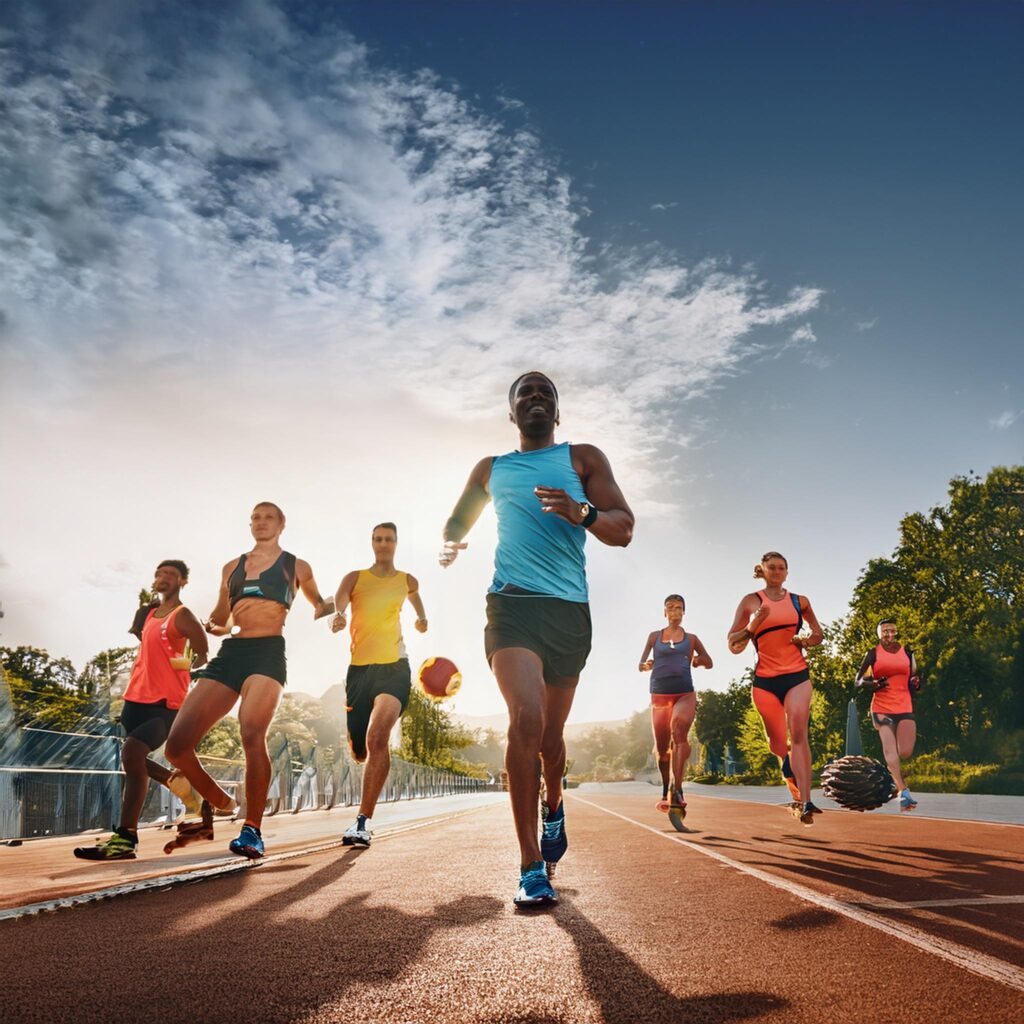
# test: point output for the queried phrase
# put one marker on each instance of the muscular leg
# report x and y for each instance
(134, 758)
(260, 697)
(661, 724)
(906, 736)
(386, 711)
(773, 717)
(798, 713)
(557, 705)
(682, 718)
(890, 751)
(204, 707)
(520, 677)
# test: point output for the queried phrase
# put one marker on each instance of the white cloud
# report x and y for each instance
(866, 325)
(1006, 419)
(206, 209)
(663, 206)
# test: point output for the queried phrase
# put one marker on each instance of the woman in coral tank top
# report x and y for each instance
(773, 618)
(890, 672)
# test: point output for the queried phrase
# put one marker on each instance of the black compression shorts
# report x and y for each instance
(781, 685)
(557, 631)
(891, 721)
(363, 684)
(147, 723)
(241, 657)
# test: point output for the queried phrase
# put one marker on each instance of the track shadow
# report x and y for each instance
(282, 956)
(812, 917)
(626, 993)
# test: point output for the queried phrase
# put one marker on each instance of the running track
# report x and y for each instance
(749, 917)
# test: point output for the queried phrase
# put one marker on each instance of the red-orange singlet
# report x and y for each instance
(153, 679)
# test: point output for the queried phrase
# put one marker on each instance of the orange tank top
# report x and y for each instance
(895, 667)
(776, 654)
(153, 679)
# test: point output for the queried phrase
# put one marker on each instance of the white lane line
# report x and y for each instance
(970, 960)
(227, 866)
(979, 901)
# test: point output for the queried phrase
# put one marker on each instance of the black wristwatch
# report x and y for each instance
(587, 515)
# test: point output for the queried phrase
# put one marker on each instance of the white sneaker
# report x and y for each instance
(358, 833)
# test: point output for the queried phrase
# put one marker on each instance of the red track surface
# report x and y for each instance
(420, 928)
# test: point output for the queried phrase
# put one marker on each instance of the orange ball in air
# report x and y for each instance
(439, 678)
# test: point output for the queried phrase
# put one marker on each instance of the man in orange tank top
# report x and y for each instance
(890, 672)
(378, 681)
(157, 688)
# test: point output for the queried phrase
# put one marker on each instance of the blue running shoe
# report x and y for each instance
(248, 844)
(534, 888)
(553, 840)
(907, 802)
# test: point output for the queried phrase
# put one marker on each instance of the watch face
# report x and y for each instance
(584, 510)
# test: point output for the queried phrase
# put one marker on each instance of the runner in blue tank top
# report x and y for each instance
(547, 497)
(669, 655)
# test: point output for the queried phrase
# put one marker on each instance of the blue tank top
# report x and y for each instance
(671, 665)
(538, 552)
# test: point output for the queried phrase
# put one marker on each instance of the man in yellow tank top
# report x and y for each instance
(378, 681)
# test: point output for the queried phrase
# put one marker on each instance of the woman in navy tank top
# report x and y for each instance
(669, 655)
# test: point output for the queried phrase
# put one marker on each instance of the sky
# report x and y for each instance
(297, 252)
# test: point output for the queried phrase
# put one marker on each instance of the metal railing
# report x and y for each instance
(42, 801)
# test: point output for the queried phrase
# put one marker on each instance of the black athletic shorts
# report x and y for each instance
(781, 685)
(240, 657)
(362, 686)
(558, 632)
(147, 723)
(892, 721)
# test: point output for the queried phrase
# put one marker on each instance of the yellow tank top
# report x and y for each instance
(376, 629)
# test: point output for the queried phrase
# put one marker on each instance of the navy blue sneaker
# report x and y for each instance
(790, 778)
(534, 888)
(248, 844)
(553, 840)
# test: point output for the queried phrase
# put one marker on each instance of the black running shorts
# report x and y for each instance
(891, 721)
(363, 684)
(241, 657)
(558, 632)
(781, 685)
(147, 723)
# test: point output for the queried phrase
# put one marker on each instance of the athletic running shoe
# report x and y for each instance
(118, 847)
(553, 840)
(534, 888)
(357, 834)
(804, 813)
(815, 809)
(907, 802)
(248, 844)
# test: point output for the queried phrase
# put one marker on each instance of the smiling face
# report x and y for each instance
(534, 406)
(266, 523)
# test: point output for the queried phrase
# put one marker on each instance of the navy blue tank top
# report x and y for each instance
(671, 672)
(276, 583)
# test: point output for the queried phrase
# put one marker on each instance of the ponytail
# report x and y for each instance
(758, 572)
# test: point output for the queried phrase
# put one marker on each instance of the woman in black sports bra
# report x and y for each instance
(256, 592)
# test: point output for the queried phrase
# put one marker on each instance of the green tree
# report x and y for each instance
(431, 737)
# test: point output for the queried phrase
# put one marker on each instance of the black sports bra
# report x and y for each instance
(274, 584)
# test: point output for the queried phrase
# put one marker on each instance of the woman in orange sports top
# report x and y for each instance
(773, 618)
(890, 671)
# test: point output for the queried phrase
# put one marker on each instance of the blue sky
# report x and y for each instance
(770, 253)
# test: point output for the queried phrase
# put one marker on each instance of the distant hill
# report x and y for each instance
(499, 722)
